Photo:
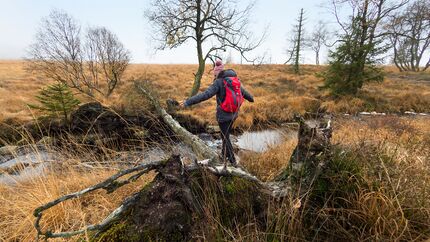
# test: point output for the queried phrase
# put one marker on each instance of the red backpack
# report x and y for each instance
(233, 95)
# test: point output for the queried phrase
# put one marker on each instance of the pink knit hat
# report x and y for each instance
(219, 66)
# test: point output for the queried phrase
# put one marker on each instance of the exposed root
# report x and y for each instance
(275, 190)
(109, 185)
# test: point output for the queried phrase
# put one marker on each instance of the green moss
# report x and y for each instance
(229, 188)
(118, 232)
(232, 199)
(156, 235)
(342, 176)
(239, 199)
(235, 185)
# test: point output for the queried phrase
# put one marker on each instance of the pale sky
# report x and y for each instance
(19, 20)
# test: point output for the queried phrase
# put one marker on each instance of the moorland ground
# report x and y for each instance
(279, 94)
(385, 158)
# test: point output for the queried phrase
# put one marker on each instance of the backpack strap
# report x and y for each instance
(229, 86)
(221, 97)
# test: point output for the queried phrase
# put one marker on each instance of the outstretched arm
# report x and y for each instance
(208, 93)
(247, 95)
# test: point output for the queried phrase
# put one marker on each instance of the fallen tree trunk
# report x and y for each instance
(169, 207)
(199, 147)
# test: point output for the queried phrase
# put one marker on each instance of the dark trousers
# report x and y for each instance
(227, 147)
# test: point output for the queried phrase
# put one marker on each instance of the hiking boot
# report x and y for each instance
(222, 159)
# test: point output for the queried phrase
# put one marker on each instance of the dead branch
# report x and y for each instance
(107, 221)
(274, 189)
(108, 186)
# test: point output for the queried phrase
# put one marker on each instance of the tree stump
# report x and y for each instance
(310, 155)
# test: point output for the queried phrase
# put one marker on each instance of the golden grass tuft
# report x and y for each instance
(388, 202)
(378, 193)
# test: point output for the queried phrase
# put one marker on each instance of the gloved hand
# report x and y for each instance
(182, 104)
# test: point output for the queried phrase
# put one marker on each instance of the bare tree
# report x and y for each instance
(298, 41)
(57, 51)
(218, 22)
(107, 57)
(59, 54)
(410, 36)
(318, 39)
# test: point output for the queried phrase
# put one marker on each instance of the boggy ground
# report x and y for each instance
(377, 189)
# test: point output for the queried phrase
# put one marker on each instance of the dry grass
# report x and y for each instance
(268, 164)
(406, 137)
(278, 93)
(385, 199)
(17, 88)
(376, 188)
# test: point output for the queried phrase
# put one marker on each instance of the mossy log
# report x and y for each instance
(169, 209)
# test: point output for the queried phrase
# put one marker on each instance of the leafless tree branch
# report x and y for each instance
(318, 39)
(409, 34)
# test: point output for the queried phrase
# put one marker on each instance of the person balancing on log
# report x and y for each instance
(229, 97)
